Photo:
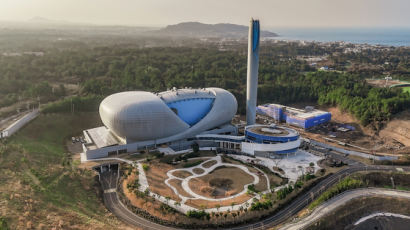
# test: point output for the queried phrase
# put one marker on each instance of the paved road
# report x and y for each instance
(109, 180)
(340, 200)
(303, 200)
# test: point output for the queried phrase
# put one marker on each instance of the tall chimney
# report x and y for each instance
(252, 77)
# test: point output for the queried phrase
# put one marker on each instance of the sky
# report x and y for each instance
(272, 13)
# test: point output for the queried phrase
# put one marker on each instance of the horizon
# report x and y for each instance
(52, 21)
(158, 13)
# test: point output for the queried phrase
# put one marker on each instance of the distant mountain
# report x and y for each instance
(42, 20)
(197, 29)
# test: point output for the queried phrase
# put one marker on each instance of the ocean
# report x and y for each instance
(374, 36)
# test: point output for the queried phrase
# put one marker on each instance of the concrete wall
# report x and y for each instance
(13, 128)
(134, 147)
(251, 148)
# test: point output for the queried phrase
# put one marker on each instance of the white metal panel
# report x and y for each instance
(139, 116)
(250, 148)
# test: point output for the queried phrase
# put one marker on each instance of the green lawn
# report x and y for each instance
(38, 156)
(406, 89)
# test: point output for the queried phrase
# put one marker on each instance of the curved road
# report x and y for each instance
(340, 200)
(109, 182)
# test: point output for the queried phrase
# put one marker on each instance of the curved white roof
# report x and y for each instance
(181, 94)
(139, 116)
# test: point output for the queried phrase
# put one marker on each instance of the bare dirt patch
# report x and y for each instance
(340, 116)
(198, 170)
(209, 164)
(214, 204)
(263, 183)
(221, 182)
(398, 129)
(182, 174)
(393, 138)
(177, 184)
(151, 206)
(156, 176)
(382, 83)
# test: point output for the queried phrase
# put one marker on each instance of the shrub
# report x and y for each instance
(298, 184)
(3, 224)
(283, 192)
(145, 167)
(251, 188)
(190, 155)
(195, 147)
(197, 214)
(256, 206)
(167, 209)
(345, 184)
(192, 164)
(133, 185)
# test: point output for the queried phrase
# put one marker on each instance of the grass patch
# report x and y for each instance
(3, 224)
(209, 163)
(38, 155)
(192, 164)
(346, 184)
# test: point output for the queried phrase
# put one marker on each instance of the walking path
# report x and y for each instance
(219, 163)
(293, 166)
(340, 200)
(181, 206)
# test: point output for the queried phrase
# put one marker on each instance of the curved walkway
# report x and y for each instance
(363, 219)
(206, 171)
(295, 206)
(340, 200)
(181, 206)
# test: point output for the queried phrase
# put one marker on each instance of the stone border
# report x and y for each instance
(181, 206)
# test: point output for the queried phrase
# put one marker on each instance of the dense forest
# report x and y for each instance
(283, 78)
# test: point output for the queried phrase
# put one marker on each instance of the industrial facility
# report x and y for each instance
(177, 118)
(135, 120)
(303, 118)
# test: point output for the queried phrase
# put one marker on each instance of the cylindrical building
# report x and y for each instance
(252, 76)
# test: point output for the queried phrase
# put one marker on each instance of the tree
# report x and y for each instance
(195, 147)
(233, 204)
(233, 215)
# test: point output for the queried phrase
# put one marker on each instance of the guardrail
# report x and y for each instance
(13, 128)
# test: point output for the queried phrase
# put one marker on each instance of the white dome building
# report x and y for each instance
(175, 114)
(136, 119)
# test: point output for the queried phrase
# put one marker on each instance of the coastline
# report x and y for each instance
(386, 37)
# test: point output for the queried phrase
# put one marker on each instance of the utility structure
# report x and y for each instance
(252, 75)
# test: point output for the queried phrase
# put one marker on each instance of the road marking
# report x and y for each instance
(110, 190)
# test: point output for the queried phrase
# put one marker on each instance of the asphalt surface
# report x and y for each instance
(342, 199)
(109, 182)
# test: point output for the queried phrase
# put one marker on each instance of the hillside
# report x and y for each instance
(197, 29)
